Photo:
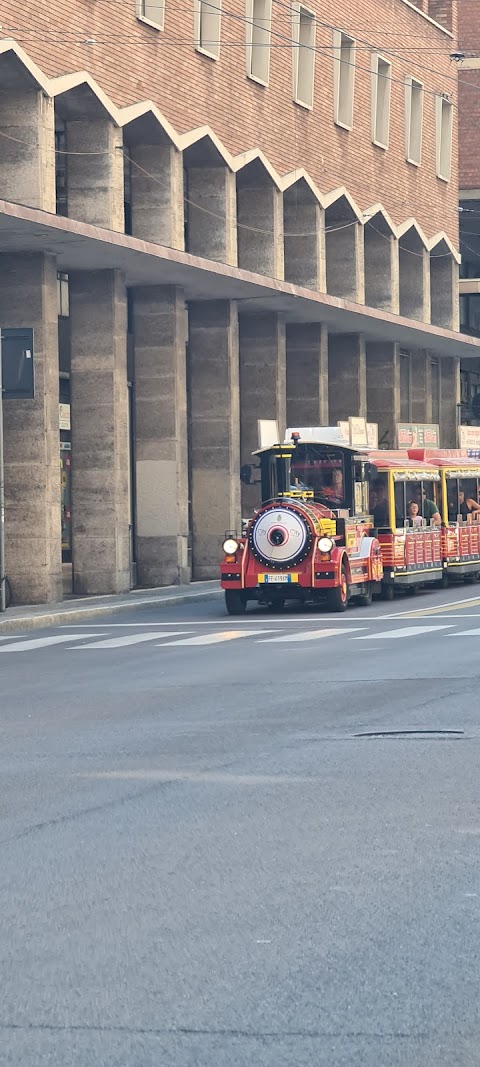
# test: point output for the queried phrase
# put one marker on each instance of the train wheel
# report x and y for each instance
(411, 590)
(337, 599)
(468, 579)
(235, 602)
(366, 598)
(388, 592)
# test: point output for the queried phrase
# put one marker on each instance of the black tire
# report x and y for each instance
(411, 590)
(388, 592)
(469, 579)
(8, 592)
(443, 583)
(366, 598)
(235, 602)
(337, 599)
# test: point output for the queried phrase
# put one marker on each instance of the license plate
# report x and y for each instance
(269, 578)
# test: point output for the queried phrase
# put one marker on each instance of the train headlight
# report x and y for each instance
(325, 544)
(230, 546)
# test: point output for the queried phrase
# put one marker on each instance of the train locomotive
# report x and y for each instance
(312, 538)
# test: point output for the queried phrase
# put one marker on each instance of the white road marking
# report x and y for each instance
(44, 642)
(466, 633)
(404, 631)
(310, 635)
(123, 642)
(472, 600)
(214, 639)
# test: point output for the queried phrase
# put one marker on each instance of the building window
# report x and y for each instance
(381, 83)
(207, 27)
(303, 27)
(343, 79)
(152, 11)
(470, 314)
(413, 120)
(259, 14)
(62, 296)
(444, 117)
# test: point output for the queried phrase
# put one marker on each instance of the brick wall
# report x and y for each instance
(132, 61)
(469, 96)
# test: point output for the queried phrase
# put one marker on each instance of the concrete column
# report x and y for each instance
(157, 202)
(100, 445)
(260, 227)
(420, 383)
(414, 270)
(449, 401)
(383, 388)
(212, 208)
(344, 256)
(382, 282)
(27, 159)
(307, 374)
(95, 183)
(347, 386)
(28, 297)
(214, 430)
(161, 457)
(444, 303)
(262, 386)
(304, 238)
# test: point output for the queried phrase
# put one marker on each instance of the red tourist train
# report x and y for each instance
(338, 523)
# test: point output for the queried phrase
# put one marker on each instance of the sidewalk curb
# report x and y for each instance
(62, 616)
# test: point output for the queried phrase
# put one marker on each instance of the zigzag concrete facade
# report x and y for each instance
(205, 291)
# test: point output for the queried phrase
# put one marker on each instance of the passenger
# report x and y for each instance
(472, 506)
(463, 508)
(380, 511)
(429, 509)
(412, 513)
(372, 501)
(334, 493)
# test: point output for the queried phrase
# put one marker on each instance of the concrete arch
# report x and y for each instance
(153, 174)
(259, 219)
(381, 260)
(210, 201)
(444, 305)
(304, 236)
(344, 247)
(414, 272)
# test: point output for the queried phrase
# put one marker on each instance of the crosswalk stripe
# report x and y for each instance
(310, 635)
(43, 642)
(466, 633)
(215, 639)
(405, 631)
(122, 642)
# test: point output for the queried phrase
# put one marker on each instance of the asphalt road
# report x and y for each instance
(220, 845)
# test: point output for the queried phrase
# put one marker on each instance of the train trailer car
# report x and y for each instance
(312, 537)
(406, 507)
(460, 507)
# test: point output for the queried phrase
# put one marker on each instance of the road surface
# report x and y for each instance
(255, 841)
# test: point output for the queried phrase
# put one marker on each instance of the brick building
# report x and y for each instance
(211, 216)
(469, 182)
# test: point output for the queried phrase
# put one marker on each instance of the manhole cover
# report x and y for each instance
(412, 733)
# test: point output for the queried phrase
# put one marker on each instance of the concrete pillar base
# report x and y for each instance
(214, 430)
(347, 387)
(307, 374)
(383, 389)
(161, 460)
(262, 386)
(28, 297)
(100, 441)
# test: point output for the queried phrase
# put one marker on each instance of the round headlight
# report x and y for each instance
(325, 544)
(230, 546)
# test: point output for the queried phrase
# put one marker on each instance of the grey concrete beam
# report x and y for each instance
(262, 386)
(307, 374)
(157, 194)
(347, 386)
(27, 158)
(95, 179)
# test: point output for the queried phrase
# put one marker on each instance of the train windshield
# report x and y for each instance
(321, 471)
